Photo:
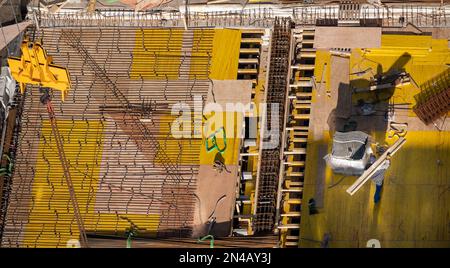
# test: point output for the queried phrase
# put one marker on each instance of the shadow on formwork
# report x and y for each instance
(433, 102)
(218, 230)
(349, 114)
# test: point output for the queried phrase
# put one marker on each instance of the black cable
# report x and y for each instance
(339, 181)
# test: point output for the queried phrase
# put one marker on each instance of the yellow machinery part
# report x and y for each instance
(91, 6)
(36, 68)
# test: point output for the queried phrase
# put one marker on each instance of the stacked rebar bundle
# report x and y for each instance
(116, 132)
(276, 94)
(433, 101)
(257, 17)
(394, 15)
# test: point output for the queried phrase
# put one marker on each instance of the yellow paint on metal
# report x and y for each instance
(225, 54)
(157, 54)
(35, 67)
(51, 220)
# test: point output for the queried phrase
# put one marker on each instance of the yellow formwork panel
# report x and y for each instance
(232, 130)
(424, 152)
(406, 41)
(225, 54)
(51, 220)
(177, 141)
(157, 54)
(421, 56)
(108, 222)
(201, 54)
(418, 143)
(181, 151)
(191, 149)
(413, 195)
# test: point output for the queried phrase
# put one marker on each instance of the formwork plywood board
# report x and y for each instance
(215, 198)
(340, 86)
(347, 37)
(224, 65)
(216, 190)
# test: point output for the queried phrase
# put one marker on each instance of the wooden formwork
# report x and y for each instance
(270, 161)
(300, 90)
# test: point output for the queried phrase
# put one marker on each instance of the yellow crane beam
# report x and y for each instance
(35, 67)
(91, 6)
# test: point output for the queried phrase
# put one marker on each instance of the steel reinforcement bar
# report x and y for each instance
(395, 15)
(433, 101)
(267, 178)
(132, 177)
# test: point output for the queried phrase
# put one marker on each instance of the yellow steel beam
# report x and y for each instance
(36, 67)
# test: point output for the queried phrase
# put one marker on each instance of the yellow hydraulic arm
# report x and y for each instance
(91, 6)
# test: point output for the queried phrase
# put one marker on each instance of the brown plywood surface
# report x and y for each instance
(347, 37)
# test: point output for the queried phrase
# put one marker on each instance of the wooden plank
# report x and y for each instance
(251, 40)
(247, 71)
(375, 166)
(249, 50)
(249, 61)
